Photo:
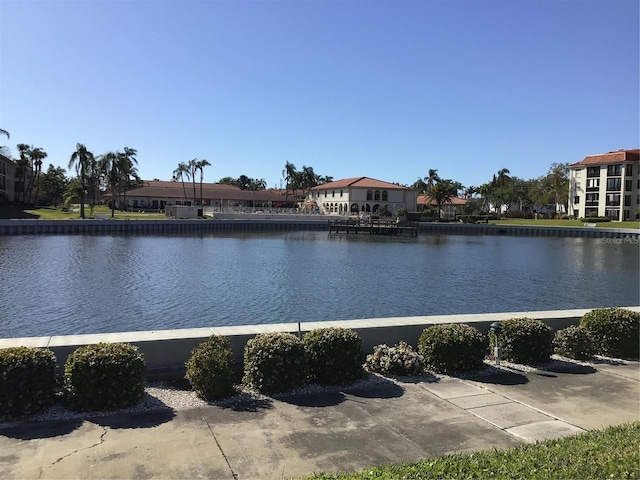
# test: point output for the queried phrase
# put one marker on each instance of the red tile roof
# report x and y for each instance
(217, 191)
(611, 157)
(359, 182)
(424, 200)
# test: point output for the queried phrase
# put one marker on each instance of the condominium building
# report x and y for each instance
(606, 185)
(7, 179)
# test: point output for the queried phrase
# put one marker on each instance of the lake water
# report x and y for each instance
(53, 285)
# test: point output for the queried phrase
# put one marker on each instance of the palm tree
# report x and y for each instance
(442, 191)
(501, 181)
(108, 166)
(37, 155)
(200, 164)
(126, 170)
(433, 177)
(193, 168)
(289, 174)
(81, 159)
(5, 133)
(179, 174)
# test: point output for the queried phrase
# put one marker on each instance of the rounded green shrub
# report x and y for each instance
(105, 376)
(210, 368)
(454, 348)
(525, 340)
(335, 355)
(275, 362)
(615, 330)
(27, 380)
(400, 360)
(574, 342)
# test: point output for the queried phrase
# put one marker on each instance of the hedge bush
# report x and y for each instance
(574, 342)
(616, 331)
(210, 368)
(525, 340)
(335, 355)
(452, 348)
(105, 376)
(275, 362)
(27, 380)
(400, 360)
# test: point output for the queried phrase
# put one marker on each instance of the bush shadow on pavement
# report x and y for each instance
(41, 430)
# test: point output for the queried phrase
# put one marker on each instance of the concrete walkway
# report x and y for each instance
(349, 430)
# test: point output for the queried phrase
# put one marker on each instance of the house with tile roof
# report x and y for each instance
(7, 179)
(156, 195)
(606, 185)
(351, 196)
(449, 209)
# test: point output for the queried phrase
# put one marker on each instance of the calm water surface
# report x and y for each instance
(89, 284)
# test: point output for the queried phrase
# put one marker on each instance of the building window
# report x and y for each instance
(614, 170)
(614, 184)
(333, 193)
(593, 172)
(385, 196)
(576, 199)
(369, 195)
(340, 192)
(577, 186)
(627, 200)
(638, 199)
(593, 184)
(592, 199)
(627, 215)
(612, 213)
(325, 194)
(628, 185)
(629, 169)
(578, 173)
(613, 200)
(376, 195)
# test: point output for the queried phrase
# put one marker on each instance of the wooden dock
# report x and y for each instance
(373, 227)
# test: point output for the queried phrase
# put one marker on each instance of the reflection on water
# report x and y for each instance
(89, 284)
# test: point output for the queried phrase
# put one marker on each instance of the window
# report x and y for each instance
(613, 199)
(340, 192)
(614, 184)
(369, 195)
(593, 184)
(376, 195)
(325, 194)
(593, 172)
(628, 185)
(638, 199)
(612, 213)
(576, 199)
(627, 200)
(578, 173)
(592, 198)
(333, 193)
(629, 169)
(577, 186)
(614, 170)
(385, 196)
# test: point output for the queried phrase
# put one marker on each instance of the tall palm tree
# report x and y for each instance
(126, 169)
(200, 164)
(80, 159)
(433, 177)
(179, 174)
(23, 166)
(193, 168)
(108, 166)
(289, 174)
(501, 181)
(37, 155)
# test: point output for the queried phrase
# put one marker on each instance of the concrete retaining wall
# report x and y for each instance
(168, 350)
(276, 223)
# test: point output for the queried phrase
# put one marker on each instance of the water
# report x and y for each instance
(54, 285)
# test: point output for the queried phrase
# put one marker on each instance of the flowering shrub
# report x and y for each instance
(574, 342)
(210, 368)
(335, 355)
(27, 380)
(400, 359)
(275, 362)
(452, 348)
(525, 340)
(616, 331)
(105, 376)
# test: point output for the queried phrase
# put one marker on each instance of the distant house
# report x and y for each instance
(360, 194)
(449, 210)
(7, 179)
(156, 195)
(606, 185)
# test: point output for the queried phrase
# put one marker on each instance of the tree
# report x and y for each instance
(5, 133)
(53, 184)
(126, 172)
(179, 174)
(81, 159)
(108, 165)
(289, 174)
(193, 167)
(552, 190)
(200, 164)
(37, 155)
(442, 191)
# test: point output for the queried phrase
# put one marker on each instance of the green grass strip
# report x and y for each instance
(612, 453)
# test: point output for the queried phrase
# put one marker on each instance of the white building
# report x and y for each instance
(361, 194)
(606, 185)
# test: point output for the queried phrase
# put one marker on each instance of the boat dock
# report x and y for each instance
(373, 227)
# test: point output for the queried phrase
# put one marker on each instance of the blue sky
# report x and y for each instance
(385, 89)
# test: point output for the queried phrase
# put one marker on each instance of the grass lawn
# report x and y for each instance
(600, 454)
(563, 223)
(50, 213)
